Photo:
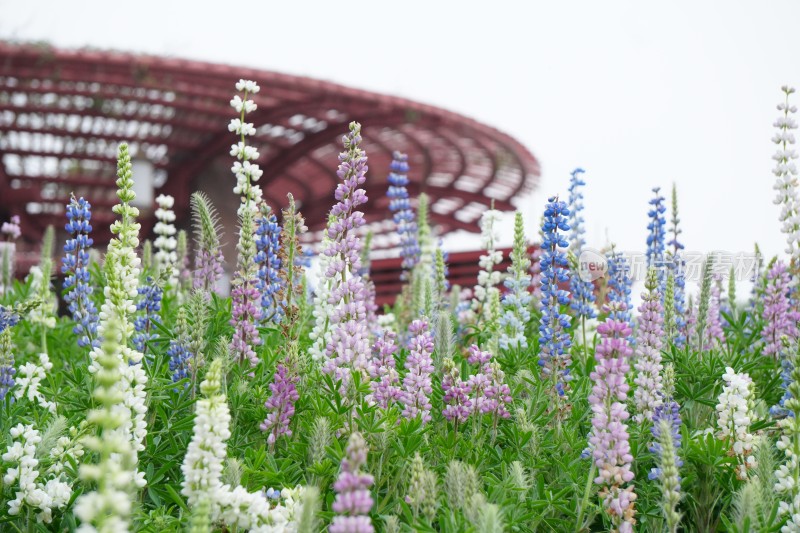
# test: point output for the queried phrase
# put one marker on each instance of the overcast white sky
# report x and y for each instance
(638, 94)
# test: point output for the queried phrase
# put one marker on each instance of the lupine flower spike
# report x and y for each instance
(280, 404)
(785, 172)
(353, 499)
(517, 299)
(582, 290)
(417, 384)
(11, 230)
(734, 417)
(609, 436)
(208, 259)
(488, 277)
(554, 340)
(76, 268)
(679, 279)
(403, 215)
(788, 474)
(656, 237)
(166, 258)
(649, 341)
(269, 264)
(246, 172)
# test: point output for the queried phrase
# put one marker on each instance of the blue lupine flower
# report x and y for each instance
(678, 267)
(656, 238)
(669, 411)
(268, 233)
(305, 260)
(554, 340)
(75, 265)
(7, 370)
(403, 217)
(517, 299)
(8, 318)
(582, 291)
(149, 305)
(619, 285)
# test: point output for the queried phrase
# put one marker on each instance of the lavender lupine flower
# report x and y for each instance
(417, 383)
(280, 404)
(208, 259)
(779, 319)
(649, 341)
(656, 237)
(786, 175)
(666, 432)
(76, 267)
(348, 349)
(179, 352)
(678, 268)
(458, 405)
(12, 231)
(609, 435)
(714, 335)
(353, 499)
(517, 299)
(246, 309)
(383, 372)
(268, 233)
(554, 340)
(582, 291)
(490, 394)
(7, 370)
(403, 215)
(148, 305)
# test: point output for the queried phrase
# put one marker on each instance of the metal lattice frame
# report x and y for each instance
(63, 113)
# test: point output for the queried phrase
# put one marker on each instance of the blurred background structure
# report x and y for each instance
(64, 112)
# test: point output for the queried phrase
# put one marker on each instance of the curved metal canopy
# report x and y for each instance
(63, 113)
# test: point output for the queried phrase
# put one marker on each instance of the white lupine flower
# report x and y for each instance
(166, 258)
(734, 417)
(488, 278)
(29, 379)
(241, 128)
(322, 309)
(247, 85)
(785, 170)
(245, 172)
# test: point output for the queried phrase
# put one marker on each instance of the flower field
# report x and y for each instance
(136, 397)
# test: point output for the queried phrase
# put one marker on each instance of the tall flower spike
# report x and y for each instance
(554, 340)
(517, 299)
(403, 215)
(714, 334)
(165, 258)
(280, 404)
(179, 355)
(353, 500)
(609, 438)
(11, 231)
(786, 175)
(292, 289)
(491, 395)
(620, 285)
(656, 236)
(246, 172)
(649, 341)
(779, 319)
(382, 370)
(246, 308)
(417, 383)
(7, 370)
(78, 290)
(488, 277)
(678, 267)
(788, 474)
(269, 264)
(703, 304)
(734, 417)
(666, 432)
(348, 348)
(207, 230)
(458, 405)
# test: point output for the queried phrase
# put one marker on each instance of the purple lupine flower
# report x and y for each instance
(208, 256)
(779, 318)
(245, 309)
(619, 285)
(267, 258)
(280, 404)
(649, 341)
(76, 267)
(400, 206)
(669, 411)
(353, 499)
(383, 371)
(554, 340)
(714, 334)
(148, 305)
(456, 394)
(207, 269)
(417, 384)
(490, 394)
(7, 370)
(609, 435)
(8, 318)
(656, 234)
(348, 349)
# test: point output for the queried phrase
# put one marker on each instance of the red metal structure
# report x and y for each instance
(63, 113)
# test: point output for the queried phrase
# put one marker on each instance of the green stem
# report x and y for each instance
(587, 492)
